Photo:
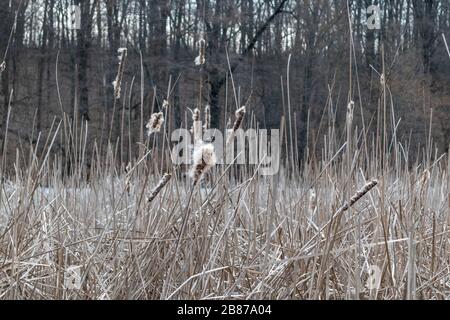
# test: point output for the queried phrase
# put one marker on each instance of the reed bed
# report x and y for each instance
(357, 217)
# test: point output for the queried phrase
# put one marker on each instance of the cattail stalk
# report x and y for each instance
(162, 182)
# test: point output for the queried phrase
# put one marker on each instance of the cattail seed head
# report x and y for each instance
(162, 182)
(155, 123)
(239, 114)
(350, 108)
(204, 158)
(200, 59)
(358, 195)
(312, 201)
(118, 82)
(423, 182)
(207, 124)
(165, 104)
(196, 129)
(196, 115)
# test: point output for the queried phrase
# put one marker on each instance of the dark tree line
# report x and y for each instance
(258, 36)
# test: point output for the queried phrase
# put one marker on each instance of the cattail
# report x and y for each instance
(312, 207)
(128, 167)
(228, 123)
(118, 82)
(200, 59)
(204, 158)
(424, 177)
(166, 177)
(350, 108)
(165, 104)
(155, 123)
(196, 129)
(240, 113)
(312, 202)
(2, 66)
(358, 195)
(423, 181)
(128, 172)
(207, 124)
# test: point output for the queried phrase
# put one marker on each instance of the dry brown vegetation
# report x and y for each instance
(355, 215)
(315, 231)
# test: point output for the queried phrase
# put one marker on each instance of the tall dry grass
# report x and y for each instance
(365, 219)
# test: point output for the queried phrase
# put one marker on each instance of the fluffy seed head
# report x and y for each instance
(165, 104)
(200, 59)
(155, 123)
(204, 158)
(196, 129)
(350, 108)
(196, 115)
(240, 113)
(118, 82)
(312, 201)
(122, 52)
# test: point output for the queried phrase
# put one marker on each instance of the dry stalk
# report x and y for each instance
(162, 182)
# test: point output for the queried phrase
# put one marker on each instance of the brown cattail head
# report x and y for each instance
(118, 82)
(312, 201)
(240, 113)
(207, 124)
(196, 129)
(358, 195)
(155, 123)
(204, 158)
(162, 182)
(350, 109)
(196, 115)
(423, 182)
(128, 171)
(200, 59)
